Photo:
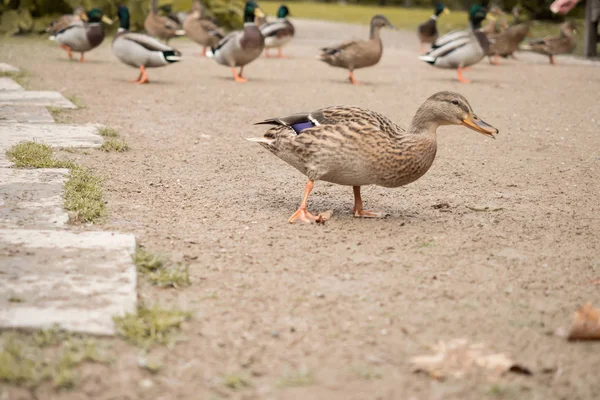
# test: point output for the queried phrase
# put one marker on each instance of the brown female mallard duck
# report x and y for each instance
(427, 31)
(201, 29)
(355, 147)
(507, 42)
(551, 46)
(357, 53)
(160, 26)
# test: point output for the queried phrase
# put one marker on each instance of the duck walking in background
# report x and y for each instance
(240, 48)
(427, 31)
(356, 147)
(507, 43)
(64, 21)
(551, 46)
(201, 29)
(358, 53)
(140, 51)
(159, 26)
(460, 49)
(82, 38)
(278, 33)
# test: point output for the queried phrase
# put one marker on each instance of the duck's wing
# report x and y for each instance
(62, 23)
(449, 46)
(212, 28)
(274, 28)
(148, 42)
(336, 115)
(450, 37)
(225, 40)
(334, 50)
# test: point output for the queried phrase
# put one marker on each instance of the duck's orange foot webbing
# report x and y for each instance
(353, 79)
(238, 77)
(143, 78)
(359, 211)
(460, 76)
(68, 50)
(302, 215)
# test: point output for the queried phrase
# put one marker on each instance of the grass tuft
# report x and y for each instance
(115, 144)
(35, 155)
(148, 262)
(83, 196)
(106, 131)
(149, 326)
(21, 77)
(175, 277)
(26, 361)
(297, 378)
(58, 115)
(76, 100)
(236, 381)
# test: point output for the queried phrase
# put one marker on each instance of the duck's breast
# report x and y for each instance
(75, 37)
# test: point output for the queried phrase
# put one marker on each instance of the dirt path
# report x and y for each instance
(336, 311)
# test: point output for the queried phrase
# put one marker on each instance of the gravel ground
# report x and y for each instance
(335, 311)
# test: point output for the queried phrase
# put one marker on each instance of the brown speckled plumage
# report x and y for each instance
(550, 46)
(159, 26)
(353, 146)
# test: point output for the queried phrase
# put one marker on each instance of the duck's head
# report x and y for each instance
(95, 15)
(440, 8)
(381, 21)
(123, 14)
(568, 28)
(477, 13)
(252, 11)
(283, 11)
(450, 108)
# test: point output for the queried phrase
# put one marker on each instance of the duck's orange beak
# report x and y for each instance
(475, 123)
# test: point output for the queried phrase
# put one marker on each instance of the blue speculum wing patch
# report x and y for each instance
(299, 127)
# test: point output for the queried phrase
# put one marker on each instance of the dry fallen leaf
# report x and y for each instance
(325, 216)
(458, 357)
(586, 324)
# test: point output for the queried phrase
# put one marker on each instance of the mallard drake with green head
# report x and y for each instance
(357, 53)
(159, 26)
(554, 45)
(240, 48)
(278, 33)
(140, 51)
(356, 147)
(427, 31)
(83, 37)
(201, 29)
(460, 49)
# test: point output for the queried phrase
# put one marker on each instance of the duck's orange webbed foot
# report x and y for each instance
(68, 50)
(353, 79)
(359, 211)
(238, 77)
(461, 78)
(302, 215)
(143, 77)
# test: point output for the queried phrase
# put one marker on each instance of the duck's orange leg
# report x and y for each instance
(81, 58)
(358, 209)
(353, 79)
(279, 53)
(68, 49)
(203, 54)
(552, 60)
(302, 215)
(138, 78)
(238, 77)
(144, 78)
(460, 76)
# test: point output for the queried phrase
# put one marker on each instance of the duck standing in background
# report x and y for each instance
(201, 29)
(84, 37)
(356, 147)
(64, 21)
(358, 53)
(427, 31)
(278, 33)
(160, 26)
(507, 43)
(140, 51)
(240, 48)
(460, 49)
(551, 46)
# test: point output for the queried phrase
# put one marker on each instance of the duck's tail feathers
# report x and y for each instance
(52, 37)
(179, 32)
(260, 140)
(428, 59)
(172, 56)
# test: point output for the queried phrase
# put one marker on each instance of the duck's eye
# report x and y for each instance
(455, 102)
